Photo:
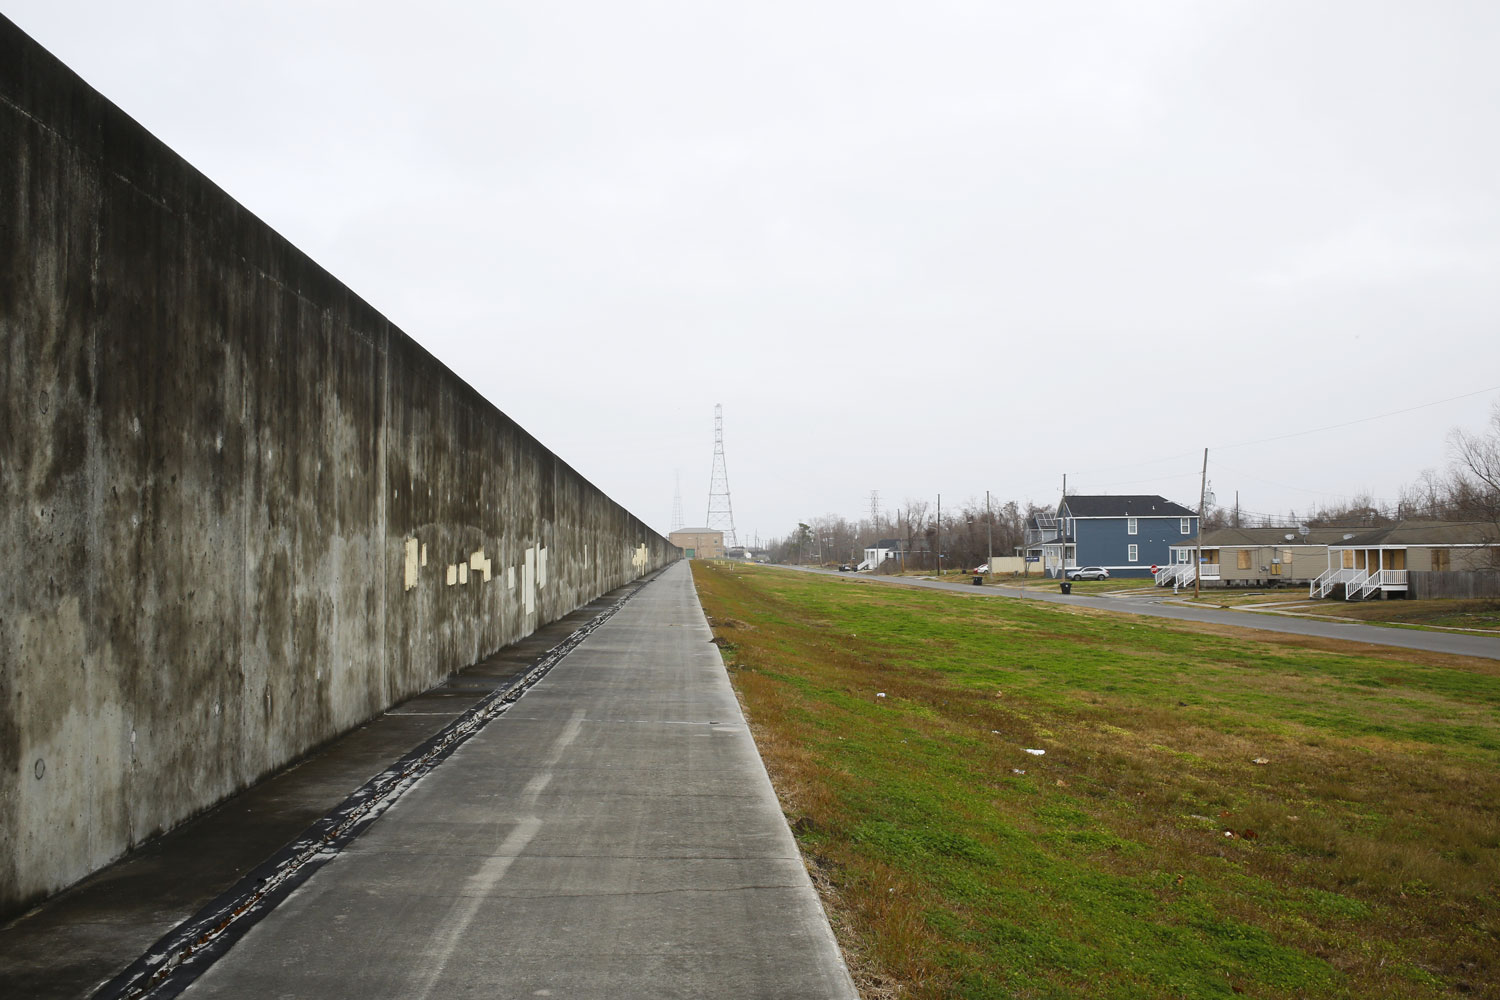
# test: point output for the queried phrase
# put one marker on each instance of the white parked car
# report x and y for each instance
(1088, 573)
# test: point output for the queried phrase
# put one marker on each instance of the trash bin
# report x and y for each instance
(979, 581)
(1067, 586)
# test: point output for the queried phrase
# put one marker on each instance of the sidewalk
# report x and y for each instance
(614, 834)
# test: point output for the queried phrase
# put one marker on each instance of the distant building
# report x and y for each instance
(1126, 535)
(699, 543)
(1250, 557)
(886, 548)
(1413, 556)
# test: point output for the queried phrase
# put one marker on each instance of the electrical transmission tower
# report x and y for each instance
(720, 511)
(677, 521)
(875, 511)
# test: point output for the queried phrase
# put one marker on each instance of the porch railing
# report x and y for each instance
(1361, 585)
(1324, 583)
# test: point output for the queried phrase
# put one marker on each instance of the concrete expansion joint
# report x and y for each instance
(710, 891)
(667, 722)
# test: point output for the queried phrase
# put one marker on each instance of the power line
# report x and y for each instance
(1266, 440)
(1360, 420)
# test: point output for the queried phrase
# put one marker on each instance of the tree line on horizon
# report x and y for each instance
(966, 534)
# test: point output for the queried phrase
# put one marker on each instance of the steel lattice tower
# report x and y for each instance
(720, 510)
(677, 521)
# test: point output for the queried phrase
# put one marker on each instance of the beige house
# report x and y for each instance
(699, 543)
(1382, 561)
(1252, 557)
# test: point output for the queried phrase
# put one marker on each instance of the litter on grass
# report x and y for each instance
(1016, 770)
(1260, 760)
(880, 694)
(1034, 752)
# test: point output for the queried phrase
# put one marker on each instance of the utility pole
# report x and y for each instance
(989, 518)
(1062, 535)
(1198, 549)
(939, 536)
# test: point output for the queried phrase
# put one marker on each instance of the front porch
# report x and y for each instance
(1363, 572)
(1183, 572)
(1058, 558)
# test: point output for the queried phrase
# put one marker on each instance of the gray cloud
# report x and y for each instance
(950, 248)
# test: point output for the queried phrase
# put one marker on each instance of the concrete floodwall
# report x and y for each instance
(232, 495)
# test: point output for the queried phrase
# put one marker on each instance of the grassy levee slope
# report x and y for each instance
(1146, 853)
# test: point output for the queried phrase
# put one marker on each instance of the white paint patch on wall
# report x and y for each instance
(424, 553)
(463, 572)
(541, 568)
(411, 555)
(528, 580)
(452, 574)
(510, 578)
(480, 564)
(639, 560)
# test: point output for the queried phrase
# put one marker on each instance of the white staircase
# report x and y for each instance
(1361, 584)
(1176, 575)
(1323, 585)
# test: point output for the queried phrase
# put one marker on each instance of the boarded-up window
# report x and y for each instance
(1242, 559)
(1276, 569)
(1348, 558)
(1442, 560)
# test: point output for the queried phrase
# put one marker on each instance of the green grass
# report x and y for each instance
(1364, 855)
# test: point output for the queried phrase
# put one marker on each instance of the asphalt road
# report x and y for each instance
(1148, 604)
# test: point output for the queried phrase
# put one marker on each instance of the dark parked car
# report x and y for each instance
(845, 568)
(1088, 573)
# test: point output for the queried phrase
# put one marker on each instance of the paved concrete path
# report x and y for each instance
(614, 835)
(1403, 638)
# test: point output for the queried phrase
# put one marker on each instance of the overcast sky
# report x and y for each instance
(916, 248)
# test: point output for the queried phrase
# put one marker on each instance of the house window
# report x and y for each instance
(1130, 527)
(1185, 525)
(1242, 559)
(1134, 551)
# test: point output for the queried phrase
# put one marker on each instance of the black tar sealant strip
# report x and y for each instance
(185, 952)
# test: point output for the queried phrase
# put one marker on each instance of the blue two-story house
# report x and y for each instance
(1126, 535)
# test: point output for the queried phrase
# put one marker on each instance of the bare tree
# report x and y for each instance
(1474, 477)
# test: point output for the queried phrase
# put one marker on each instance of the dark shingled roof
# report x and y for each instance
(1224, 538)
(1426, 533)
(1126, 506)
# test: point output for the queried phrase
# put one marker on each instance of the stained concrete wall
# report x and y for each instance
(232, 495)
